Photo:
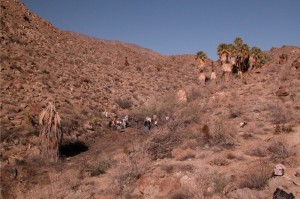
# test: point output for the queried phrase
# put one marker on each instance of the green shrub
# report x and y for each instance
(100, 168)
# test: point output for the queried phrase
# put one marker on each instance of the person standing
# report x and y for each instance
(147, 125)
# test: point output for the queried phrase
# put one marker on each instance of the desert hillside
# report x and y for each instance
(223, 141)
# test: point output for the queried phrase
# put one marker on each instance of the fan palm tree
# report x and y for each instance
(50, 133)
(238, 41)
(201, 56)
(222, 51)
(242, 52)
(231, 54)
(255, 54)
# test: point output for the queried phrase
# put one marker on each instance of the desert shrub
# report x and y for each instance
(280, 150)
(131, 169)
(278, 129)
(187, 168)
(256, 177)
(138, 68)
(205, 133)
(280, 114)
(230, 156)
(284, 74)
(123, 103)
(100, 168)
(187, 156)
(168, 168)
(220, 135)
(220, 181)
(260, 150)
(247, 136)
(189, 114)
(181, 196)
(193, 93)
(161, 144)
(219, 162)
(234, 113)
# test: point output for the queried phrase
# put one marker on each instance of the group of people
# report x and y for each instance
(121, 124)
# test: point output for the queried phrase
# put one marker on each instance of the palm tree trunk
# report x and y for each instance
(50, 133)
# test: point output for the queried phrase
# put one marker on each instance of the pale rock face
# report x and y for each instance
(201, 64)
(226, 67)
(213, 76)
(279, 170)
(232, 60)
(252, 61)
(201, 77)
(181, 96)
(223, 58)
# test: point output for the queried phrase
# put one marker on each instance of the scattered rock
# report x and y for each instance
(87, 126)
(279, 170)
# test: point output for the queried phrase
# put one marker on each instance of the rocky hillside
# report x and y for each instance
(226, 133)
(82, 75)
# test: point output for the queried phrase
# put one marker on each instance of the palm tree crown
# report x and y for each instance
(222, 49)
(201, 55)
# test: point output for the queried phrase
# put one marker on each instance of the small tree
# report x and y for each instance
(50, 133)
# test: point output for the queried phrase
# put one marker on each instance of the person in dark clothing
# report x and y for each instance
(147, 125)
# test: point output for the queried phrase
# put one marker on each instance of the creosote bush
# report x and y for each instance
(123, 103)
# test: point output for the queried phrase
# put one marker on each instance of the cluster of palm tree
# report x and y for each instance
(239, 55)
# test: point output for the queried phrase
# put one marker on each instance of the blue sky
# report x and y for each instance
(173, 27)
